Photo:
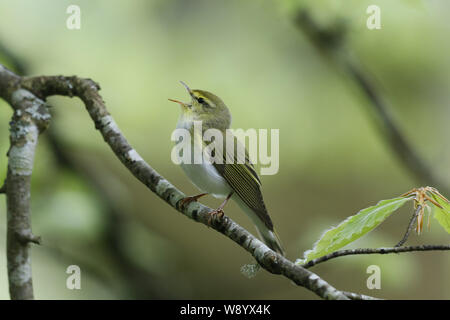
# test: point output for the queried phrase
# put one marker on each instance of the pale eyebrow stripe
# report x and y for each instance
(209, 102)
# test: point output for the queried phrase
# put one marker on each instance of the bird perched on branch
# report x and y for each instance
(227, 179)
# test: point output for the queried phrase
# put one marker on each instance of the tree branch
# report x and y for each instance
(87, 91)
(29, 119)
(357, 296)
(348, 252)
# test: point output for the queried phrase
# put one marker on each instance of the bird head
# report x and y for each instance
(206, 107)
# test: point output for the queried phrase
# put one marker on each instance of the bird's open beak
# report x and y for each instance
(183, 104)
(187, 88)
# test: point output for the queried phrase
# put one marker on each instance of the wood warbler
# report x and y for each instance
(230, 178)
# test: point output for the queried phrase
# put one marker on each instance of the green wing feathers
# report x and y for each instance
(245, 182)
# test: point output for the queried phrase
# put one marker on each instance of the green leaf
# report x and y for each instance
(353, 228)
(442, 215)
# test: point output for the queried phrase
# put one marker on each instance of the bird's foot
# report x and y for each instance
(186, 201)
(215, 215)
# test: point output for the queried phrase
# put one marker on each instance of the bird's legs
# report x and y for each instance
(186, 201)
(219, 211)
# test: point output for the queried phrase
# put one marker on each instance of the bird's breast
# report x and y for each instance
(203, 175)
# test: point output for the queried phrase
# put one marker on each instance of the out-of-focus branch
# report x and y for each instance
(349, 252)
(330, 41)
(87, 91)
(18, 65)
(29, 119)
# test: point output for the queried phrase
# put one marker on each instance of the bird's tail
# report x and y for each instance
(270, 238)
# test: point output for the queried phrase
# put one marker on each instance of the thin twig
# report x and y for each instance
(410, 227)
(348, 252)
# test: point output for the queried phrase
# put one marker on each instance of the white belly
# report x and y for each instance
(207, 179)
(204, 176)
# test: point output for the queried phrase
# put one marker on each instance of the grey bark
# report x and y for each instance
(29, 118)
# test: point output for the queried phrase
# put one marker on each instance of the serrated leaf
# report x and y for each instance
(354, 227)
(442, 215)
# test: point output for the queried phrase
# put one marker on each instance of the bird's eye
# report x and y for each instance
(201, 100)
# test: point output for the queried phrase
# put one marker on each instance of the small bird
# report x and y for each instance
(237, 180)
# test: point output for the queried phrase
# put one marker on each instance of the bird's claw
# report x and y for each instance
(215, 215)
(187, 200)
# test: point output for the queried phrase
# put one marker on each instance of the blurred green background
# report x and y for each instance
(91, 212)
